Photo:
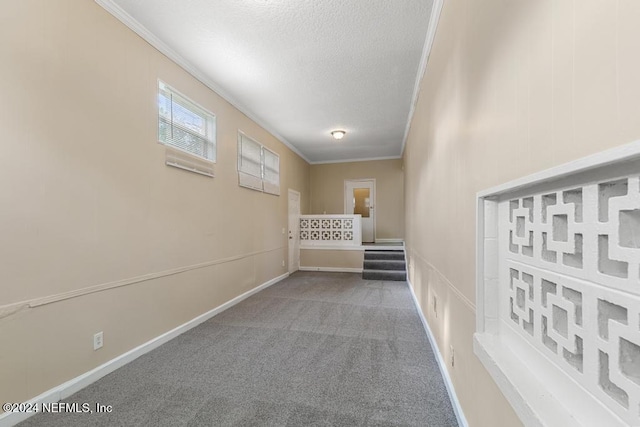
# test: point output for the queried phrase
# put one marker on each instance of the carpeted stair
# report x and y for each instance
(384, 265)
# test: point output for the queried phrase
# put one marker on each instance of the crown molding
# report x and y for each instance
(369, 159)
(133, 24)
(434, 19)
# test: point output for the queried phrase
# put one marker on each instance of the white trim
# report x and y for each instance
(434, 19)
(363, 248)
(332, 269)
(498, 361)
(332, 248)
(624, 152)
(390, 241)
(369, 159)
(443, 279)
(375, 203)
(382, 247)
(189, 169)
(72, 386)
(297, 237)
(480, 234)
(457, 409)
(154, 41)
(178, 158)
(13, 308)
(328, 216)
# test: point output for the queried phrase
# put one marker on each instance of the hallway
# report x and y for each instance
(163, 161)
(313, 349)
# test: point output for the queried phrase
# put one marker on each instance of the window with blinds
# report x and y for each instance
(184, 125)
(258, 167)
(249, 163)
(271, 172)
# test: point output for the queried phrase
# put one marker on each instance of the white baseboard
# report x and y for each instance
(390, 241)
(70, 387)
(457, 409)
(333, 269)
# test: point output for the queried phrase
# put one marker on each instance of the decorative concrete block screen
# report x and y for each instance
(330, 230)
(559, 291)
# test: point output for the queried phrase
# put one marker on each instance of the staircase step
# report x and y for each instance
(394, 275)
(388, 255)
(384, 264)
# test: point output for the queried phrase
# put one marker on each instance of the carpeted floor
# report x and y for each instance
(316, 349)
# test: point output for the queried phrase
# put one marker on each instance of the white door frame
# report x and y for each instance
(293, 235)
(374, 201)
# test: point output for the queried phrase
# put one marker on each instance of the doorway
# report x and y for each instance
(294, 231)
(359, 198)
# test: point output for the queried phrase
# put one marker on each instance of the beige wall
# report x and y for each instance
(331, 258)
(511, 88)
(87, 199)
(327, 192)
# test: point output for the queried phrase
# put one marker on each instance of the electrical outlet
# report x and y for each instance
(453, 361)
(435, 305)
(282, 230)
(98, 340)
(283, 263)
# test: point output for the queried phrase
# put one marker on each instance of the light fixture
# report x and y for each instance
(338, 134)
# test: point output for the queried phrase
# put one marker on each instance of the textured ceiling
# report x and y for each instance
(301, 68)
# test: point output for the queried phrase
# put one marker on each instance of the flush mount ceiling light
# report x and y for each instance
(338, 134)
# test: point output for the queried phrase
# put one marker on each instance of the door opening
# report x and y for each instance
(359, 199)
(294, 231)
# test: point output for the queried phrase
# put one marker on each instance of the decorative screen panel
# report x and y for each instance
(330, 230)
(569, 283)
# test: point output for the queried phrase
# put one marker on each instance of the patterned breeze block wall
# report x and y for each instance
(570, 258)
(330, 230)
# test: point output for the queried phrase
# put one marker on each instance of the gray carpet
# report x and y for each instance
(316, 349)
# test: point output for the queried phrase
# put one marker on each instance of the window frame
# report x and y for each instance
(210, 145)
(252, 181)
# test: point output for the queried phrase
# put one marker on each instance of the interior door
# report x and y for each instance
(359, 198)
(294, 231)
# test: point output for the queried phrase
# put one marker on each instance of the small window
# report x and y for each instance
(271, 171)
(258, 167)
(184, 125)
(249, 163)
